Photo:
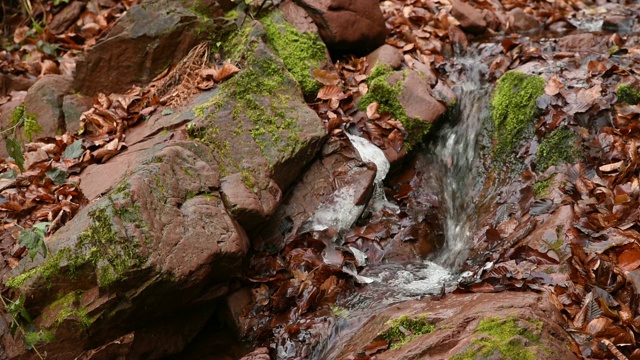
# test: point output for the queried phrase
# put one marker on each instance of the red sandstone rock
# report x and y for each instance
(470, 18)
(355, 27)
(522, 22)
(384, 55)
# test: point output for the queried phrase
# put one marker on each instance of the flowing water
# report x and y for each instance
(457, 176)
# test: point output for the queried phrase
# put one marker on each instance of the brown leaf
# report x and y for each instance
(226, 72)
(584, 100)
(329, 92)
(598, 324)
(629, 260)
(20, 34)
(372, 110)
(553, 87)
(326, 77)
(611, 167)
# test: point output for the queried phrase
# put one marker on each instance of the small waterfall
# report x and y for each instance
(371, 153)
(455, 150)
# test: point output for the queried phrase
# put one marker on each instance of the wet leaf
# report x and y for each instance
(58, 176)
(14, 150)
(74, 150)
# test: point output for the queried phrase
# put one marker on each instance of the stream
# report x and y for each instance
(454, 170)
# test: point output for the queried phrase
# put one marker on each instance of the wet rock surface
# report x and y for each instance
(457, 329)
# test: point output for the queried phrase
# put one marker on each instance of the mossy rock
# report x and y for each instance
(514, 110)
(405, 96)
(257, 123)
(144, 249)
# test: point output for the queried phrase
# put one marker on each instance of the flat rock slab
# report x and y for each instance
(456, 319)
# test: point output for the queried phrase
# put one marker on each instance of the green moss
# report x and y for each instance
(514, 109)
(300, 52)
(628, 94)
(46, 271)
(381, 92)
(557, 148)
(542, 187)
(16, 115)
(396, 334)
(502, 339)
(29, 123)
(32, 338)
(68, 307)
(339, 312)
(384, 94)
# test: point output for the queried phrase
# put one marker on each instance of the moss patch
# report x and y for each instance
(100, 245)
(32, 338)
(504, 337)
(381, 92)
(28, 122)
(404, 329)
(628, 94)
(558, 148)
(514, 109)
(542, 187)
(300, 52)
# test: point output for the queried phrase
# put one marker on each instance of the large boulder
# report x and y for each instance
(141, 44)
(261, 112)
(153, 244)
(356, 27)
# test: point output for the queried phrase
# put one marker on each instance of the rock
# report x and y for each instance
(45, 99)
(429, 73)
(410, 101)
(416, 99)
(619, 23)
(259, 112)
(298, 17)
(384, 55)
(586, 42)
(470, 18)
(356, 27)
(456, 319)
(443, 93)
(9, 83)
(244, 204)
(522, 22)
(148, 250)
(65, 18)
(73, 106)
(141, 44)
(493, 21)
(338, 172)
